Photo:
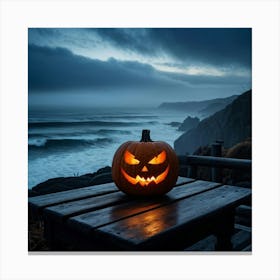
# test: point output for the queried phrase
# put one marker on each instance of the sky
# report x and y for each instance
(137, 67)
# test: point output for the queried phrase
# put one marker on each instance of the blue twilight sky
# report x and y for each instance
(136, 66)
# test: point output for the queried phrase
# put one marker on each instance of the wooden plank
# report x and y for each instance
(241, 240)
(158, 227)
(244, 228)
(39, 202)
(68, 209)
(89, 221)
(76, 207)
(36, 203)
(183, 180)
(206, 244)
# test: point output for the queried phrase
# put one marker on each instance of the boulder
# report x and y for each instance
(59, 184)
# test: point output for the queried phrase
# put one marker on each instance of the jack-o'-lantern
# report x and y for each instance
(146, 167)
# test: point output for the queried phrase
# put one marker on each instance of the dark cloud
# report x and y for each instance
(130, 39)
(221, 56)
(59, 69)
(215, 46)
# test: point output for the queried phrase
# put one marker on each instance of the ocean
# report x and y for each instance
(73, 142)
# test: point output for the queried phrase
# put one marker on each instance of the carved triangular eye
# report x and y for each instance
(129, 158)
(160, 158)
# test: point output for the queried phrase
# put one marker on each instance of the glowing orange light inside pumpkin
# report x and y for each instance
(130, 158)
(159, 158)
(146, 181)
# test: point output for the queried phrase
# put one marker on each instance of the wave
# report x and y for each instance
(37, 142)
(86, 123)
(128, 117)
(38, 137)
(108, 118)
(113, 131)
(66, 143)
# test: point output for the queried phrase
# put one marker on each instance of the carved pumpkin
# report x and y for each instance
(145, 167)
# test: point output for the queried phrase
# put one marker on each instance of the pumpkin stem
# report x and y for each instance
(146, 136)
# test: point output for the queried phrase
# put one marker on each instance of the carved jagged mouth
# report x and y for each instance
(146, 181)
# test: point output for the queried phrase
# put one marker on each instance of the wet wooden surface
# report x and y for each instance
(101, 218)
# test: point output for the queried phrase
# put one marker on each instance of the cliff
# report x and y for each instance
(231, 124)
(203, 108)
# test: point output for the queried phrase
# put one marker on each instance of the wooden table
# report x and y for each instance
(101, 218)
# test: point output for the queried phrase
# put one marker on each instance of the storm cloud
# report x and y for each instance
(215, 46)
(148, 65)
(60, 69)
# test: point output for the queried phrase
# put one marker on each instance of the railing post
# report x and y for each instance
(192, 171)
(216, 151)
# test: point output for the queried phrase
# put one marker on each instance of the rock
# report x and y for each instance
(58, 184)
(189, 123)
(101, 179)
(175, 124)
(231, 125)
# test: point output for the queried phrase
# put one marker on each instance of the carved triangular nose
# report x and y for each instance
(144, 169)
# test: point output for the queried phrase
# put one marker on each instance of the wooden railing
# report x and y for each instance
(216, 162)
